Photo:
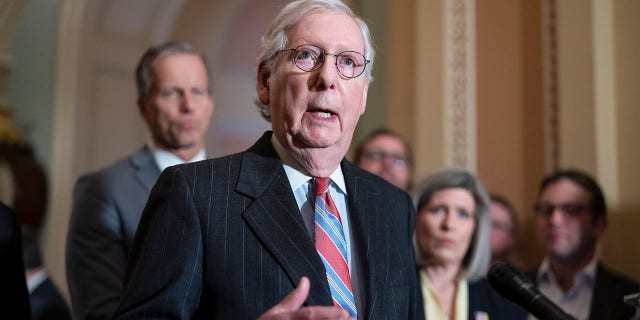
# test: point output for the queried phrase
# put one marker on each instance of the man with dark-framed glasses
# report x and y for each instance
(387, 154)
(288, 229)
(571, 216)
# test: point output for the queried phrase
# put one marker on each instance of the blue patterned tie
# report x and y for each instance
(332, 247)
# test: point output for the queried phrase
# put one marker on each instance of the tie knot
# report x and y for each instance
(322, 184)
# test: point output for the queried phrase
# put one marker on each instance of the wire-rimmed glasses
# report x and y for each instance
(308, 58)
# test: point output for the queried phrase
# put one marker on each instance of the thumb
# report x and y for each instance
(294, 300)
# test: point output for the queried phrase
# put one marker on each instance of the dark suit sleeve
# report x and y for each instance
(164, 275)
(95, 254)
(14, 298)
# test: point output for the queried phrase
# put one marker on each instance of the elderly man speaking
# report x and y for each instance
(288, 229)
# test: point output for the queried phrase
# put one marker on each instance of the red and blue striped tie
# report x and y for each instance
(332, 247)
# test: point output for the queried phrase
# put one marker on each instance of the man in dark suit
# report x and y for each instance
(239, 237)
(174, 98)
(571, 216)
(46, 301)
(14, 297)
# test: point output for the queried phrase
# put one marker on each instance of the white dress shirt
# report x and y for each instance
(165, 159)
(576, 301)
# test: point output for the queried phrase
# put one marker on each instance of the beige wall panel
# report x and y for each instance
(400, 67)
(510, 146)
(623, 235)
(429, 87)
(575, 83)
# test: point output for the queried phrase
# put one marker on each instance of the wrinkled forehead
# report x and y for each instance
(331, 31)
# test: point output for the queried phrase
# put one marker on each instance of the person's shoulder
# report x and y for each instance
(615, 279)
(372, 180)
(218, 168)
(483, 298)
(8, 225)
(121, 169)
(208, 163)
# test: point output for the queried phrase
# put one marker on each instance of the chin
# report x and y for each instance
(315, 140)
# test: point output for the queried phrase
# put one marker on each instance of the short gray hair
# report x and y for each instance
(478, 257)
(154, 53)
(276, 38)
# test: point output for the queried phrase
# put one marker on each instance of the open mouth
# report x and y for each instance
(323, 114)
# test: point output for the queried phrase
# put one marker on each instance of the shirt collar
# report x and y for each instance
(587, 273)
(297, 178)
(166, 159)
(35, 280)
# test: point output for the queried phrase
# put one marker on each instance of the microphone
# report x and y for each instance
(513, 285)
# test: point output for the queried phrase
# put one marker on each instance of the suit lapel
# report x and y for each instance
(145, 167)
(275, 219)
(364, 200)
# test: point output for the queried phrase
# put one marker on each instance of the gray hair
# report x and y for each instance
(143, 77)
(276, 38)
(477, 259)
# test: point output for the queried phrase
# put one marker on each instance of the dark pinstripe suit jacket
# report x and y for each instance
(224, 239)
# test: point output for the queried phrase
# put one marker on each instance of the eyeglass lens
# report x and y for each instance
(349, 63)
(379, 155)
(568, 209)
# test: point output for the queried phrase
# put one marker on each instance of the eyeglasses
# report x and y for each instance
(399, 160)
(567, 209)
(308, 58)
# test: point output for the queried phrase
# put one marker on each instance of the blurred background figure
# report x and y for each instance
(14, 298)
(452, 236)
(175, 100)
(24, 188)
(504, 228)
(46, 301)
(571, 216)
(385, 153)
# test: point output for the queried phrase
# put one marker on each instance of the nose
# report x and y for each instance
(447, 222)
(557, 216)
(327, 74)
(388, 161)
(188, 102)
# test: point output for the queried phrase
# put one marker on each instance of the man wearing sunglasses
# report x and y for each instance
(571, 217)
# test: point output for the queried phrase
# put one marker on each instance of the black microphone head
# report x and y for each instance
(515, 286)
(512, 284)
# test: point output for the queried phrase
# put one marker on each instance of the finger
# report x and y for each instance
(322, 312)
(293, 301)
(297, 297)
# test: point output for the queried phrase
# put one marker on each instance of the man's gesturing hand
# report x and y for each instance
(290, 308)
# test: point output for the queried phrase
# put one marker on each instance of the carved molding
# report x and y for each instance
(550, 86)
(460, 101)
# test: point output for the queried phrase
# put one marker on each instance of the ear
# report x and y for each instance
(365, 92)
(141, 106)
(262, 85)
